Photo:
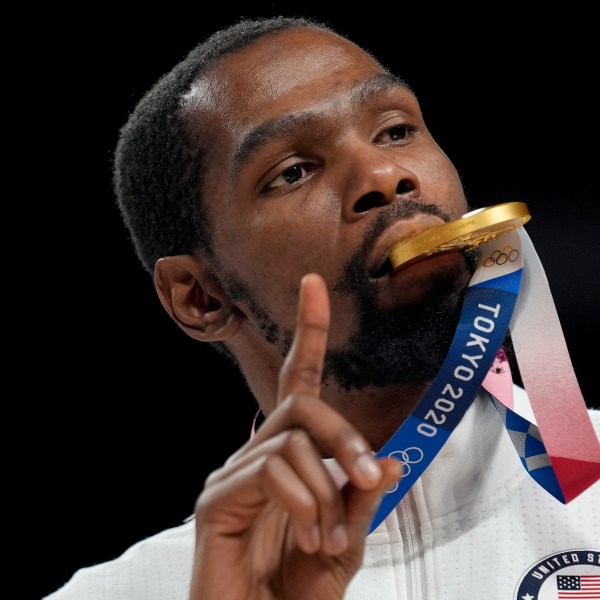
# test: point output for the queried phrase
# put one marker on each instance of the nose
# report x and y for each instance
(377, 179)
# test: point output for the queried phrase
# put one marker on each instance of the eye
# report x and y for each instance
(291, 175)
(400, 133)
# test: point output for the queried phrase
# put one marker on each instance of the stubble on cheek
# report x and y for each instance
(344, 321)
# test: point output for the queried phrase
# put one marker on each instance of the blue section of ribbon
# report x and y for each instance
(510, 282)
(414, 456)
(484, 320)
(546, 477)
(533, 447)
(514, 422)
(470, 356)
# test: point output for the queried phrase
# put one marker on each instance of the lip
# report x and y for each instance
(400, 230)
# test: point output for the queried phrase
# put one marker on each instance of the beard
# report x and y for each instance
(405, 346)
(394, 347)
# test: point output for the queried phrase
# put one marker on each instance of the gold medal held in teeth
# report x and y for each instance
(471, 230)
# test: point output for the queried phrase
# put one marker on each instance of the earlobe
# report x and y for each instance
(194, 298)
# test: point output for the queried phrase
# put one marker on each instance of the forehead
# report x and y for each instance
(278, 74)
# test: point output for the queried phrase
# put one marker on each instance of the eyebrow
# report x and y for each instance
(281, 126)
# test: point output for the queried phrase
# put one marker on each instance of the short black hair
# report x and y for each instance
(158, 166)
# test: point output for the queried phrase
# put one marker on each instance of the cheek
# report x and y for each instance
(290, 247)
(441, 179)
(270, 256)
(296, 235)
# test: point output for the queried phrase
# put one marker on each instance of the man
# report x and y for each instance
(264, 180)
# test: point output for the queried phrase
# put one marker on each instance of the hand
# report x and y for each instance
(272, 524)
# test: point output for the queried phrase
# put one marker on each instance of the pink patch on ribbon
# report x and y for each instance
(498, 381)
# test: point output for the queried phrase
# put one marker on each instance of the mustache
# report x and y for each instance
(355, 269)
(397, 212)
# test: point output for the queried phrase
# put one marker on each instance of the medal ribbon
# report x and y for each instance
(487, 310)
(553, 435)
(563, 464)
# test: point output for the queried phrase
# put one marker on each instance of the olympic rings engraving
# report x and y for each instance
(499, 257)
(410, 456)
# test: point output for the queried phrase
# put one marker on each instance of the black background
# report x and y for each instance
(127, 415)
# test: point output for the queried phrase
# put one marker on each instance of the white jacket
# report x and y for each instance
(474, 526)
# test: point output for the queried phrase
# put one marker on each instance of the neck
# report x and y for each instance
(376, 413)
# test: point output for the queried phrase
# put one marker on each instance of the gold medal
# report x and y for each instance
(471, 230)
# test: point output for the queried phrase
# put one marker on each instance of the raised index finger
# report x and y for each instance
(303, 367)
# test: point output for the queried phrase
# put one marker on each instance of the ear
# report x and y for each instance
(194, 297)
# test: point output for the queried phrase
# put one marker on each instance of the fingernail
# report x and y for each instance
(339, 539)
(369, 467)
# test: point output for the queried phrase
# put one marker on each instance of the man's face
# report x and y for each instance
(319, 160)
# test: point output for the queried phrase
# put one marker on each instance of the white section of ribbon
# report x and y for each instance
(546, 369)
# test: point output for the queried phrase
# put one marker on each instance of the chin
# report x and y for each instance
(404, 332)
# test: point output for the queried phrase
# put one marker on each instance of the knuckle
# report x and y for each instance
(270, 467)
(307, 373)
(299, 407)
(310, 374)
(296, 439)
(349, 440)
(213, 478)
(206, 498)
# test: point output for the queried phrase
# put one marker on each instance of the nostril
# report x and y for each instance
(405, 186)
(369, 201)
